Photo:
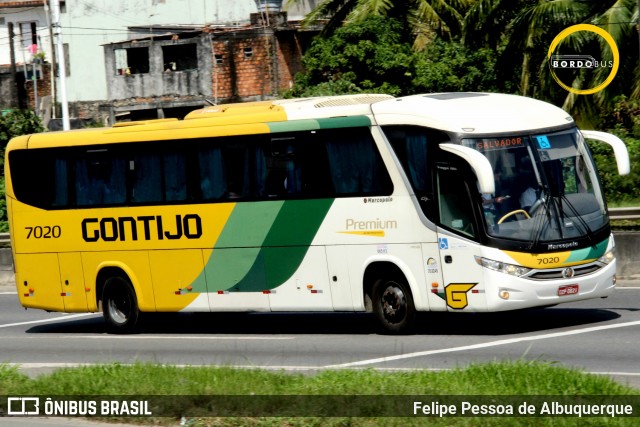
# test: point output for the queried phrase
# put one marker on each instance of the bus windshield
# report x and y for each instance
(546, 187)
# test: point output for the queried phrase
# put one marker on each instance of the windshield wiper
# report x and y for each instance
(586, 230)
(538, 225)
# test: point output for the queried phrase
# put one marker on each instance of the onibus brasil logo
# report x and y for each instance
(562, 62)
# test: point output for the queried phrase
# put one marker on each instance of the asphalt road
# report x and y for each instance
(597, 336)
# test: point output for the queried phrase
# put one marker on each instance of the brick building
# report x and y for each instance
(178, 70)
(178, 40)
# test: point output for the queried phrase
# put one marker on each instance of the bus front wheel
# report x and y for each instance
(119, 305)
(393, 305)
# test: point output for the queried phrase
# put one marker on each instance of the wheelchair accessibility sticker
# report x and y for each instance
(444, 243)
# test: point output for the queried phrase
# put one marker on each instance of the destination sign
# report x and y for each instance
(485, 144)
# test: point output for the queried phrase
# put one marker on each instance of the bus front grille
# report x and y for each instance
(557, 273)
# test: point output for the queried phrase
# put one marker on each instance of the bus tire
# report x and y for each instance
(393, 305)
(119, 305)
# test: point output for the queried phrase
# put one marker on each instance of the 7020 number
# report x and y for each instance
(44, 232)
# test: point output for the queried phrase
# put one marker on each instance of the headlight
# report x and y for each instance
(607, 258)
(502, 267)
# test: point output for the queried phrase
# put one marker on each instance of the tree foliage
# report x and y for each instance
(366, 57)
(370, 56)
(624, 121)
(451, 67)
(12, 124)
(420, 19)
(18, 122)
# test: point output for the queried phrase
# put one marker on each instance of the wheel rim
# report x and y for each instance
(393, 304)
(119, 307)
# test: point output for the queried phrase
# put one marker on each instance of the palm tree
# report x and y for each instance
(422, 18)
(532, 28)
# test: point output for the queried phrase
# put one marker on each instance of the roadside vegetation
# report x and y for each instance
(13, 123)
(504, 382)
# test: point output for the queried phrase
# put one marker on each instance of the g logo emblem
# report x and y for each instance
(456, 294)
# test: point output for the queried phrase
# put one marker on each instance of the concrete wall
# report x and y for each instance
(87, 25)
(627, 254)
(157, 81)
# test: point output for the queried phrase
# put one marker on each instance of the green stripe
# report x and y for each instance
(289, 238)
(344, 122)
(593, 252)
(238, 247)
(313, 124)
(263, 244)
(249, 224)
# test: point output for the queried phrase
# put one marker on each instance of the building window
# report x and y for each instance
(28, 35)
(133, 60)
(67, 62)
(248, 52)
(180, 57)
(218, 59)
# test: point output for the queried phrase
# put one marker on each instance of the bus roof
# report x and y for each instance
(463, 112)
(473, 112)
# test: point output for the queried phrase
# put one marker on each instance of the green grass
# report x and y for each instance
(521, 379)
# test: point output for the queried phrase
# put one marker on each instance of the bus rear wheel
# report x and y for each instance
(393, 306)
(119, 305)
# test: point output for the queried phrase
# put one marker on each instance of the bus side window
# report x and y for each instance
(355, 164)
(28, 167)
(412, 145)
(246, 170)
(158, 177)
(175, 177)
(456, 209)
(100, 180)
(60, 183)
(146, 178)
(298, 166)
(213, 181)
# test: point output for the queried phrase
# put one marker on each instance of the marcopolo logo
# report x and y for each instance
(558, 62)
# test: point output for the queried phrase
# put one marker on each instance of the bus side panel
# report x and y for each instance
(135, 264)
(407, 257)
(236, 280)
(434, 281)
(72, 282)
(38, 281)
(341, 285)
(307, 289)
(463, 277)
(174, 285)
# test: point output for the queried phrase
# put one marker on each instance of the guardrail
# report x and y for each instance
(624, 213)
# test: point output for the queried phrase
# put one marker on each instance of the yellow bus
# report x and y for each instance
(351, 203)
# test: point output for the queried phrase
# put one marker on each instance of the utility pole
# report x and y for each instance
(14, 70)
(52, 73)
(57, 31)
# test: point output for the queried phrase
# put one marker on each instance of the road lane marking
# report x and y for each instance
(483, 345)
(174, 337)
(55, 319)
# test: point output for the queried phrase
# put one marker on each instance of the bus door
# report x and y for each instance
(457, 239)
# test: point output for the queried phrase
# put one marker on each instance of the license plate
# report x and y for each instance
(568, 290)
